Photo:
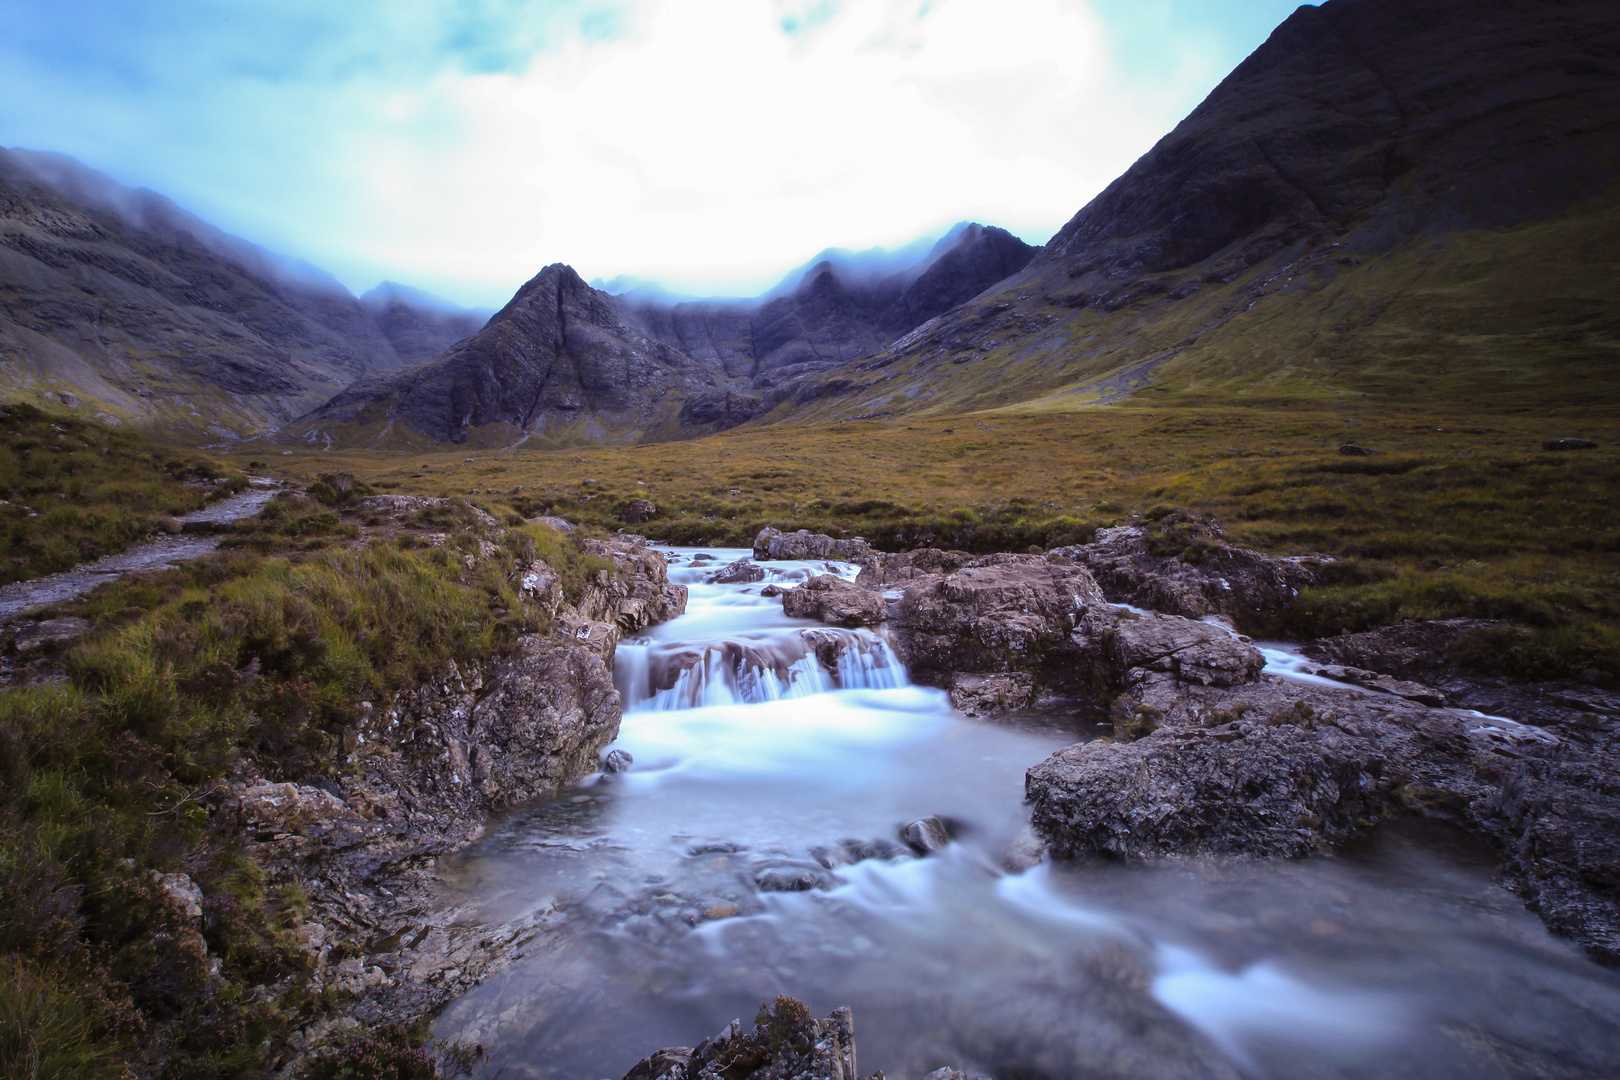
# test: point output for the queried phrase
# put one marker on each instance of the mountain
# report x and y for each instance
(118, 302)
(1387, 195)
(564, 362)
(417, 324)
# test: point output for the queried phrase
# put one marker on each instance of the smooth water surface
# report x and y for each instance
(753, 849)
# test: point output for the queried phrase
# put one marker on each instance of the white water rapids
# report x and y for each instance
(753, 850)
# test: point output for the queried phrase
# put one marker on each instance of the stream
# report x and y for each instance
(753, 850)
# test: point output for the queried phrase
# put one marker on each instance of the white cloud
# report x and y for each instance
(709, 149)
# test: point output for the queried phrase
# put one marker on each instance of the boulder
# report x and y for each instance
(637, 594)
(1190, 651)
(638, 510)
(1352, 450)
(926, 835)
(741, 572)
(1569, 444)
(170, 525)
(987, 695)
(786, 1041)
(541, 724)
(48, 635)
(1187, 568)
(900, 568)
(832, 600)
(804, 544)
(555, 524)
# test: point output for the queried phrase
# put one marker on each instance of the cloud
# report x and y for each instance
(706, 144)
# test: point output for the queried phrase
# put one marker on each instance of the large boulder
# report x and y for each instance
(787, 1041)
(637, 593)
(830, 599)
(804, 544)
(1182, 565)
(897, 569)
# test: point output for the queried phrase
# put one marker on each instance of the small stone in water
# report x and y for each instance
(926, 835)
(617, 761)
(721, 911)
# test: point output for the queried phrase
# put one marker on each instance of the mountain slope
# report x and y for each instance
(564, 362)
(119, 299)
(557, 362)
(1369, 153)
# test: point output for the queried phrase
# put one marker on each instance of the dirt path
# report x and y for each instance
(21, 597)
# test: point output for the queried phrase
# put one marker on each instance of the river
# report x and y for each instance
(753, 850)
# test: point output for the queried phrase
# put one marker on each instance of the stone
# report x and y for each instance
(987, 695)
(638, 510)
(786, 1043)
(885, 569)
(1569, 444)
(48, 635)
(1352, 450)
(181, 893)
(926, 835)
(1183, 566)
(806, 545)
(830, 599)
(556, 524)
(741, 572)
(171, 525)
(617, 761)
(788, 879)
(773, 590)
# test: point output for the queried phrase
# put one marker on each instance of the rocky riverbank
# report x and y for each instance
(1211, 753)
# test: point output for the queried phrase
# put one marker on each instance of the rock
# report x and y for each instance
(48, 635)
(1190, 651)
(638, 510)
(806, 545)
(1000, 614)
(637, 594)
(786, 1043)
(897, 569)
(401, 505)
(741, 572)
(946, 1073)
(1569, 444)
(543, 585)
(926, 835)
(541, 724)
(617, 761)
(170, 525)
(850, 852)
(556, 524)
(987, 695)
(1411, 691)
(788, 879)
(832, 600)
(1183, 566)
(1415, 649)
(181, 893)
(1352, 450)
(773, 590)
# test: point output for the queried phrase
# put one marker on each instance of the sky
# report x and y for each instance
(707, 145)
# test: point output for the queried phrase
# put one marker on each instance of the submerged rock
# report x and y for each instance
(926, 835)
(741, 572)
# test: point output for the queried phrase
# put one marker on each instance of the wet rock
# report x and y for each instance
(772, 590)
(1000, 614)
(542, 723)
(987, 695)
(617, 761)
(1352, 450)
(926, 835)
(638, 510)
(48, 635)
(1411, 691)
(1184, 567)
(741, 572)
(830, 599)
(849, 852)
(804, 544)
(786, 1043)
(1569, 444)
(787, 878)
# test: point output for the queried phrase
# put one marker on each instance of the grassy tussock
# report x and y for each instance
(237, 665)
(76, 490)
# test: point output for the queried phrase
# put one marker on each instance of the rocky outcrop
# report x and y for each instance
(805, 545)
(786, 1043)
(1182, 566)
(418, 325)
(885, 569)
(832, 600)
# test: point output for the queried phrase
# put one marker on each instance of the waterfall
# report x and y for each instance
(751, 671)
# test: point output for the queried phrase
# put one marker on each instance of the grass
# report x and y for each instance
(1460, 513)
(75, 490)
(236, 665)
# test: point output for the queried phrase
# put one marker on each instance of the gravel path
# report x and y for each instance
(21, 597)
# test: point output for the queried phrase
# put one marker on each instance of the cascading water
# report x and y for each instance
(753, 850)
